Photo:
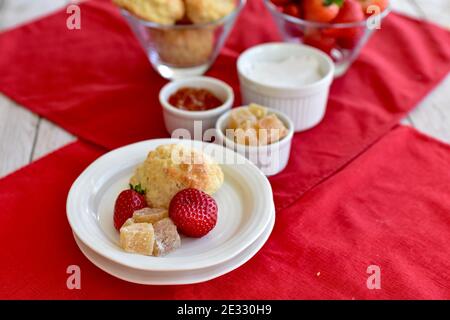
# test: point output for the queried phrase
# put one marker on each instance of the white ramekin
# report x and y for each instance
(270, 159)
(175, 118)
(305, 105)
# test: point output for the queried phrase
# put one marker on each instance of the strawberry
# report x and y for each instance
(351, 11)
(292, 10)
(194, 212)
(366, 4)
(127, 203)
(317, 39)
(321, 10)
(281, 2)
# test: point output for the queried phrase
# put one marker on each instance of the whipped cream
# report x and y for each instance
(293, 71)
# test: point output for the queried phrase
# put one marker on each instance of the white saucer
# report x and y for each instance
(245, 204)
(176, 277)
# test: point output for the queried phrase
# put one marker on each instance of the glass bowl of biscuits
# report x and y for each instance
(181, 38)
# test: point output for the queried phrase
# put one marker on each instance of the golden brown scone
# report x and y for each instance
(203, 11)
(159, 11)
(171, 168)
(184, 47)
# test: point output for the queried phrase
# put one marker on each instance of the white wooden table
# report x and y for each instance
(25, 136)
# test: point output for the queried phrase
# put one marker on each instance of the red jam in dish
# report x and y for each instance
(194, 99)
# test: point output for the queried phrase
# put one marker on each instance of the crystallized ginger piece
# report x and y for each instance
(240, 116)
(258, 111)
(246, 134)
(149, 215)
(167, 238)
(127, 223)
(270, 129)
(138, 238)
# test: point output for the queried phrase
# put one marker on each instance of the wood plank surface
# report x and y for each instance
(432, 115)
(49, 138)
(17, 134)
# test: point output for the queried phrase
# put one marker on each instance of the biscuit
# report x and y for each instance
(172, 168)
(165, 12)
(183, 47)
(204, 11)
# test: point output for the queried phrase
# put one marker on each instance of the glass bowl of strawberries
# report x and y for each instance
(340, 28)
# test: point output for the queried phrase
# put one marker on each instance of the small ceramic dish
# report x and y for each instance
(270, 159)
(305, 104)
(194, 123)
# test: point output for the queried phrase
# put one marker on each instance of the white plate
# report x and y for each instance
(245, 204)
(176, 277)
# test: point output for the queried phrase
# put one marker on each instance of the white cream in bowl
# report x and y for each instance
(293, 71)
(292, 78)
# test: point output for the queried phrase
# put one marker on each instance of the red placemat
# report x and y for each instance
(388, 208)
(97, 83)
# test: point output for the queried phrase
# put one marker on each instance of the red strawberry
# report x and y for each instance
(127, 203)
(194, 212)
(319, 40)
(292, 10)
(351, 11)
(366, 4)
(321, 10)
(281, 2)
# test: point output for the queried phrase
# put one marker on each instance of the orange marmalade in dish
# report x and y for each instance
(194, 99)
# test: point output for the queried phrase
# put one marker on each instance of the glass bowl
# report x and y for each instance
(185, 50)
(341, 41)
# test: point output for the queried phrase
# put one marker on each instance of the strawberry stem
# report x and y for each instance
(339, 3)
(138, 188)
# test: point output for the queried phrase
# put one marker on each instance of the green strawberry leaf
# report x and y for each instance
(330, 2)
(138, 188)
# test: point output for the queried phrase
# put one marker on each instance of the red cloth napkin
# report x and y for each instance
(389, 208)
(97, 83)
